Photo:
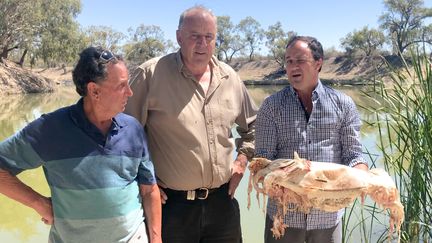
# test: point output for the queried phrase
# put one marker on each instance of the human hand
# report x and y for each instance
(43, 207)
(163, 195)
(238, 170)
(361, 166)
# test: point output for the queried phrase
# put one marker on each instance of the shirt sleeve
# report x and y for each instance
(350, 136)
(246, 125)
(146, 174)
(266, 136)
(17, 153)
(137, 104)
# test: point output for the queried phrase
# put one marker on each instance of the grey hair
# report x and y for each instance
(197, 7)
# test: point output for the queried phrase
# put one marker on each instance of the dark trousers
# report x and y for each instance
(293, 235)
(213, 220)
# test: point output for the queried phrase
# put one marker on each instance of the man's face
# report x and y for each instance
(114, 91)
(197, 39)
(302, 70)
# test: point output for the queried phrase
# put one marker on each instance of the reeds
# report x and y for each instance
(403, 118)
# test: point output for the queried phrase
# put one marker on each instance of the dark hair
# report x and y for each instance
(197, 7)
(91, 67)
(313, 44)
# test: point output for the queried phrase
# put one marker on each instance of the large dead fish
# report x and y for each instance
(325, 186)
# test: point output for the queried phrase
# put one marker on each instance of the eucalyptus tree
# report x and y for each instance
(227, 39)
(367, 41)
(19, 21)
(145, 42)
(251, 35)
(104, 36)
(404, 21)
(276, 42)
(60, 38)
(47, 28)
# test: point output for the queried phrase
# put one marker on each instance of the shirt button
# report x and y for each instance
(310, 141)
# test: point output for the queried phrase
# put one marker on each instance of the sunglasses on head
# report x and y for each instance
(106, 56)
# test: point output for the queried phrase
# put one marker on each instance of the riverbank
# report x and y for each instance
(338, 70)
(15, 80)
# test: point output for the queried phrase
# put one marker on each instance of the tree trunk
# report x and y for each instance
(21, 62)
(6, 51)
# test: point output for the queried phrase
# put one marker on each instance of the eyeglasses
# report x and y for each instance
(106, 56)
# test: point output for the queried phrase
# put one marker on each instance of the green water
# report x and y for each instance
(21, 224)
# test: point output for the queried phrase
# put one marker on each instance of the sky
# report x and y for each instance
(328, 20)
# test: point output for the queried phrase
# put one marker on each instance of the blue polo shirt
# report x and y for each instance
(93, 179)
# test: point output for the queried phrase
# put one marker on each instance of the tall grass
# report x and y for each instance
(404, 121)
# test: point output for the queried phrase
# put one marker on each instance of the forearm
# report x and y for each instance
(153, 211)
(13, 188)
(241, 162)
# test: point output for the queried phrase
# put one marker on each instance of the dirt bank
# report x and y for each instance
(15, 80)
(336, 70)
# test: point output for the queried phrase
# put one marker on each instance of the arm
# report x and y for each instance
(244, 144)
(13, 188)
(266, 130)
(350, 138)
(238, 170)
(152, 211)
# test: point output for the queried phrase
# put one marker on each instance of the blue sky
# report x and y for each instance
(328, 20)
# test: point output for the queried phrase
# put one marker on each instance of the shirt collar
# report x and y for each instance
(316, 93)
(78, 116)
(214, 62)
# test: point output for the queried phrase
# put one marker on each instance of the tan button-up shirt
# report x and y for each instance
(189, 132)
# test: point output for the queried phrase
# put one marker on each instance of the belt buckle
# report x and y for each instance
(190, 195)
(206, 193)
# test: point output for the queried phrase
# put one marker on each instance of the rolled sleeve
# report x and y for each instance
(17, 153)
(246, 125)
(350, 137)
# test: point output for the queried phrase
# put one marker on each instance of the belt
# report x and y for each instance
(200, 193)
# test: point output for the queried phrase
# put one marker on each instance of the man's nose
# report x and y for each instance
(129, 91)
(202, 40)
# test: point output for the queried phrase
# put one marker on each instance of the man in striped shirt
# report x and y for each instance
(319, 123)
(95, 160)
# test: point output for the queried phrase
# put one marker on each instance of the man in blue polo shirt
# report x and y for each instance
(95, 160)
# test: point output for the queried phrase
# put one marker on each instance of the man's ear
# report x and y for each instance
(178, 37)
(319, 64)
(93, 90)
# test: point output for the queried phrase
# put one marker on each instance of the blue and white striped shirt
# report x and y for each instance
(331, 134)
(94, 180)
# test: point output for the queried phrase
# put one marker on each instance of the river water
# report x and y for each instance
(21, 224)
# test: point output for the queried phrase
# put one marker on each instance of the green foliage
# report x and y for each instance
(104, 36)
(368, 41)
(47, 28)
(227, 39)
(145, 43)
(404, 23)
(276, 42)
(251, 35)
(19, 21)
(405, 141)
(59, 39)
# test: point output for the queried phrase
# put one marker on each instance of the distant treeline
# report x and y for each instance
(46, 32)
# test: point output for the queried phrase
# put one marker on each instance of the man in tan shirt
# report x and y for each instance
(188, 103)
